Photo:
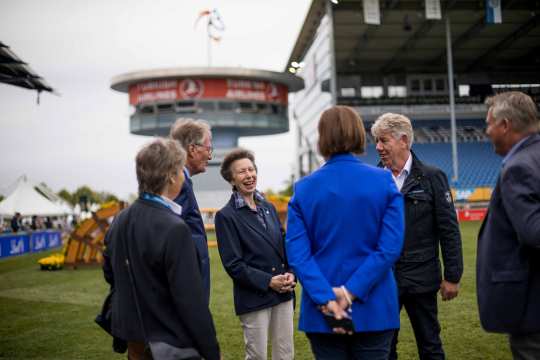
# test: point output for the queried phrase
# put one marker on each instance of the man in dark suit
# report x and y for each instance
(430, 223)
(196, 139)
(508, 261)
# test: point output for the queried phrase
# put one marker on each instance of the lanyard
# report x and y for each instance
(155, 198)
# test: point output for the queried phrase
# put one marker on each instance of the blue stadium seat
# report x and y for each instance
(478, 164)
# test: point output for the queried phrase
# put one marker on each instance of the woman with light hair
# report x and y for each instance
(151, 263)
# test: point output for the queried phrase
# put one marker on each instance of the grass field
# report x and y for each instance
(49, 315)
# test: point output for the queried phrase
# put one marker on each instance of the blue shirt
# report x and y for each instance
(239, 202)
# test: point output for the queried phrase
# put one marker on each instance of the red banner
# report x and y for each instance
(210, 89)
(471, 214)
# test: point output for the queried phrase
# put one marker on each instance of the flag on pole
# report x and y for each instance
(433, 9)
(493, 12)
(372, 12)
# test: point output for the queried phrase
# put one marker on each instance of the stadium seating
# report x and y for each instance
(478, 164)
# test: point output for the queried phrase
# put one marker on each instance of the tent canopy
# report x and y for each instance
(27, 201)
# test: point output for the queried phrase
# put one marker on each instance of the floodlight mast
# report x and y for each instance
(450, 66)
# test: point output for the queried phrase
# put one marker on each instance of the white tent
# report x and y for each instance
(26, 200)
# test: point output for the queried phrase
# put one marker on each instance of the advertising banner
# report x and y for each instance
(433, 9)
(24, 243)
(471, 214)
(372, 12)
(493, 12)
(211, 89)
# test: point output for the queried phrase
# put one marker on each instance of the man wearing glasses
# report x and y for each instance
(196, 139)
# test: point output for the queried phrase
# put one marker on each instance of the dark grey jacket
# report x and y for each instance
(430, 224)
(167, 278)
(251, 255)
(508, 261)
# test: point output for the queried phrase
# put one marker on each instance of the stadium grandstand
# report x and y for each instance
(397, 56)
(14, 71)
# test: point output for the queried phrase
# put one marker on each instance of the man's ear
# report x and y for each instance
(190, 149)
(405, 140)
(507, 124)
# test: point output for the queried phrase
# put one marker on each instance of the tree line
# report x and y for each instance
(85, 195)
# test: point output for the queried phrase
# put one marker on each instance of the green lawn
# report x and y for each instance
(49, 315)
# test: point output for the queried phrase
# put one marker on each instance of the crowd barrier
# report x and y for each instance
(13, 244)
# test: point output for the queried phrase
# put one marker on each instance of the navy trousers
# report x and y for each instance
(422, 312)
(525, 347)
(359, 346)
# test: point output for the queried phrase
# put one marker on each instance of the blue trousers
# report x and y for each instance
(359, 346)
(422, 311)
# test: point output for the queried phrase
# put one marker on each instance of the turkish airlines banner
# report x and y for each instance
(471, 214)
(211, 89)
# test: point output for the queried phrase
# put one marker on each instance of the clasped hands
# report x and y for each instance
(339, 307)
(283, 283)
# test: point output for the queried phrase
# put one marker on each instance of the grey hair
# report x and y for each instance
(395, 124)
(189, 131)
(516, 107)
(157, 162)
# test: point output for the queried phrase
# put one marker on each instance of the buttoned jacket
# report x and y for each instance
(192, 216)
(252, 254)
(508, 260)
(430, 224)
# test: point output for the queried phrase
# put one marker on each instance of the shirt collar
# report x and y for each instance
(514, 149)
(175, 208)
(239, 201)
(171, 205)
(408, 165)
(186, 173)
(406, 168)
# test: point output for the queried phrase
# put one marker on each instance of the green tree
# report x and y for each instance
(105, 196)
(64, 194)
(288, 191)
(84, 193)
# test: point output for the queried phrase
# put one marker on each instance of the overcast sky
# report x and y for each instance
(82, 136)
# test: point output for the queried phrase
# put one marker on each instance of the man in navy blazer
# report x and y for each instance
(196, 138)
(508, 261)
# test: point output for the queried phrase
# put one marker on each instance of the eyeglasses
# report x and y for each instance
(210, 149)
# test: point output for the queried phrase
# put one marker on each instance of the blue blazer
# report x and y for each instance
(508, 260)
(192, 217)
(345, 227)
(251, 255)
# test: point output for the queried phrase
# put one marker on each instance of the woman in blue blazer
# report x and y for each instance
(251, 247)
(344, 233)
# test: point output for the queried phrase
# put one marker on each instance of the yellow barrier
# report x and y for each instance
(85, 244)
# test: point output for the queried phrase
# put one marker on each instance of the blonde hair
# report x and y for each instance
(395, 124)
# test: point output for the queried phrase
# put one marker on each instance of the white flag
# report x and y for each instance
(372, 12)
(493, 12)
(433, 9)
